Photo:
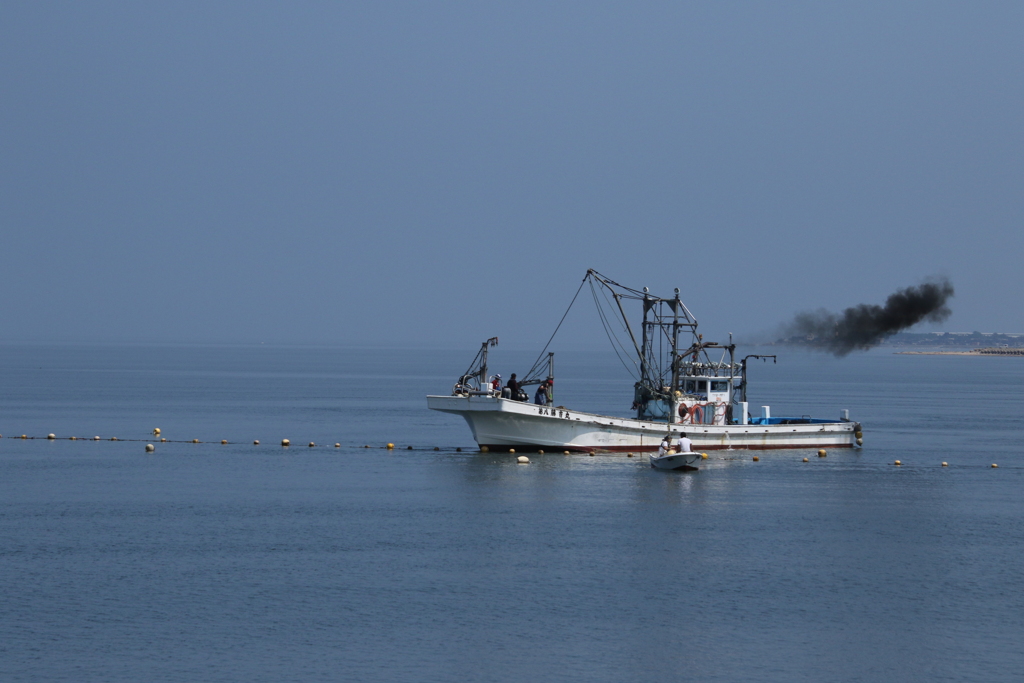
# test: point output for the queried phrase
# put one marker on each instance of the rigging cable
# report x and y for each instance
(537, 363)
(625, 325)
(611, 335)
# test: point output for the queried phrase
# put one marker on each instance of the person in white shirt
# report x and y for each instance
(684, 445)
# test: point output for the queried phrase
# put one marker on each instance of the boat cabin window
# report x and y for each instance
(719, 386)
(695, 386)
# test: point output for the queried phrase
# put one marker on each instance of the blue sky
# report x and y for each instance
(437, 173)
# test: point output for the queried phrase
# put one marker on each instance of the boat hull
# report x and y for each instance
(502, 423)
(675, 461)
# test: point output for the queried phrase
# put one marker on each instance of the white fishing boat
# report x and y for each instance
(675, 460)
(678, 387)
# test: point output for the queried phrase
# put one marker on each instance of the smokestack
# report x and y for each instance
(866, 325)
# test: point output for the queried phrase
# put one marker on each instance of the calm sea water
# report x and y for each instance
(210, 562)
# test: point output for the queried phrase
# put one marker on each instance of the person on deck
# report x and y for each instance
(512, 388)
(541, 398)
(496, 384)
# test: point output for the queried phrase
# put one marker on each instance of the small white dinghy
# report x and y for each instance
(675, 461)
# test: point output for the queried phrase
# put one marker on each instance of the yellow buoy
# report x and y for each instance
(859, 434)
(523, 460)
(150, 448)
(994, 465)
(195, 440)
(629, 455)
(311, 444)
(511, 450)
(337, 445)
(436, 448)
(25, 436)
(565, 452)
(223, 441)
(703, 456)
(540, 452)
(113, 438)
(822, 453)
(591, 455)
(74, 438)
(157, 431)
(484, 449)
(897, 463)
(286, 442)
(256, 442)
(390, 446)
(756, 458)
(805, 460)
(161, 439)
(945, 464)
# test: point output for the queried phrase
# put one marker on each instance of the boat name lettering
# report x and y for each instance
(553, 413)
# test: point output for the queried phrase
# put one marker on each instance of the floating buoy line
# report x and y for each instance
(390, 446)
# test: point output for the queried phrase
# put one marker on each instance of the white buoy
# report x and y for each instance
(150, 448)
(523, 460)
(256, 442)
(95, 438)
(337, 445)
(51, 437)
(286, 442)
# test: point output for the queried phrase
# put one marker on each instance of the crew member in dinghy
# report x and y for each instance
(666, 447)
(684, 444)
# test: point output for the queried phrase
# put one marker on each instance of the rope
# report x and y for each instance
(540, 357)
(611, 335)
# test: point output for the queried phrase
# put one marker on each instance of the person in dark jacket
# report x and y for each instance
(513, 387)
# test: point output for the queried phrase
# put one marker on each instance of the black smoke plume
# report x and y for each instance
(866, 325)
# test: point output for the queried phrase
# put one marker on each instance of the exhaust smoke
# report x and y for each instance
(866, 325)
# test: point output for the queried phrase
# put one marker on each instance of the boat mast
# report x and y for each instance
(675, 344)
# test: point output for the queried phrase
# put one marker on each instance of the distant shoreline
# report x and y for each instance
(976, 352)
